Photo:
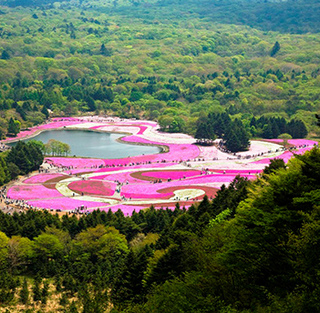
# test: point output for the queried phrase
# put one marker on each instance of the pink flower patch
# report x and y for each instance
(166, 174)
(65, 203)
(97, 188)
(286, 156)
(302, 142)
(75, 162)
(21, 192)
(120, 177)
(41, 178)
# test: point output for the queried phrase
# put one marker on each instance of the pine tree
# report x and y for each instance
(232, 143)
(267, 131)
(5, 55)
(275, 49)
(297, 129)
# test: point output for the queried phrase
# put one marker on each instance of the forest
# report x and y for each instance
(235, 69)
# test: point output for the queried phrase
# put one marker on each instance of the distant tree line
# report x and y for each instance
(272, 127)
(233, 133)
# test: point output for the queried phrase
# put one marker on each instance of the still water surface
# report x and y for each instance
(95, 144)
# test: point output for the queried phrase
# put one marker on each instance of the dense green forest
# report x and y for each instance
(253, 248)
(20, 160)
(168, 61)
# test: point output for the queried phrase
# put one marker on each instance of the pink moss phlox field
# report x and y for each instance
(176, 151)
(216, 178)
(75, 162)
(121, 177)
(65, 203)
(286, 156)
(105, 173)
(240, 172)
(144, 191)
(302, 142)
(295, 142)
(135, 195)
(153, 124)
(150, 190)
(173, 174)
(22, 192)
(41, 178)
(136, 166)
(140, 127)
(93, 187)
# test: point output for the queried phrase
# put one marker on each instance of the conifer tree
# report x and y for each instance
(275, 49)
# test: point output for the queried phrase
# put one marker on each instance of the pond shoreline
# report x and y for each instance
(163, 148)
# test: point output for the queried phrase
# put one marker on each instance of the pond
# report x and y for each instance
(95, 144)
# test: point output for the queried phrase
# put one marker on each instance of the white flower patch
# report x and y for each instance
(187, 194)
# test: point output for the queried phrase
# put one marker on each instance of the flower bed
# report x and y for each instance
(65, 203)
(25, 192)
(93, 187)
(151, 190)
(172, 174)
(75, 162)
(41, 178)
(122, 177)
(295, 142)
(302, 142)
(286, 156)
